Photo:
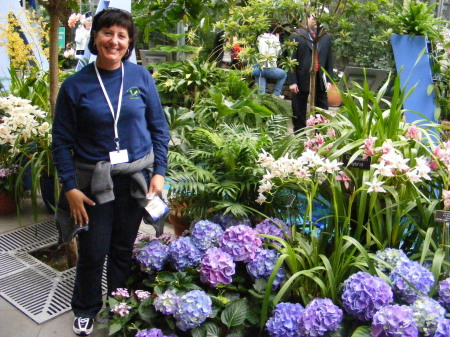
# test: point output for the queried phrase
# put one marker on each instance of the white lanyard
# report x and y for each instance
(119, 104)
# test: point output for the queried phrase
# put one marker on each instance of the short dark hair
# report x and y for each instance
(110, 17)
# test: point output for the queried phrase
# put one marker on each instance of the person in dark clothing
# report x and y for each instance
(110, 145)
(300, 79)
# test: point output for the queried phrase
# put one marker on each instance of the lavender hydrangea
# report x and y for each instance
(229, 219)
(321, 316)
(193, 309)
(365, 294)
(414, 273)
(216, 267)
(444, 293)
(142, 295)
(443, 328)
(285, 321)
(427, 313)
(183, 253)
(273, 227)
(392, 257)
(150, 333)
(152, 256)
(206, 234)
(240, 242)
(393, 321)
(263, 264)
(167, 302)
(120, 294)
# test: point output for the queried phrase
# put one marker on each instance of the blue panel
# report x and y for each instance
(407, 50)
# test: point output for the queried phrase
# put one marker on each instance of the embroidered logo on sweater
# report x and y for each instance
(134, 92)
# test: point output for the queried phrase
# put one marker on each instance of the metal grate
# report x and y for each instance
(33, 287)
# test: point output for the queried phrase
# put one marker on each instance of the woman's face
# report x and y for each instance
(112, 44)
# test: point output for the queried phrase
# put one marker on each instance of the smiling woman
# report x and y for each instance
(110, 143)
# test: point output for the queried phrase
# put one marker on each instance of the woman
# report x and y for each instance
(110, 143)
(81, 35)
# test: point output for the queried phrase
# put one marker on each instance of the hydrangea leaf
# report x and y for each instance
(362, 331)
(235, 313)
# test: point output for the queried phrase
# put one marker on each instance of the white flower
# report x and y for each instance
(375, 186)
(383, 169)
(329, 166)
(267, 186)
(261, 199)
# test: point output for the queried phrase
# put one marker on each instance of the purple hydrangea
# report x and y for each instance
(152, 256)
(273, 227)
(142, 294)
(444, 293)
(414, 273)
(150, 333)
(394, 320)
(240, 242)
(216, 267)
(443, 328)
(392, 257)
(263, 264)
(120, 294)
(427, 313)
(183, 253)
(321, 316)
(193, 309)
(229, 219)
(285, 321)
(167, 302)
(365, 294)
(206, 234)
(122, 309)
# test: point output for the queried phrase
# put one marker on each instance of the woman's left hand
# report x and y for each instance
(156, 185)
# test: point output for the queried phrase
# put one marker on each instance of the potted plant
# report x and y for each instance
(26, 134)
(8, 174)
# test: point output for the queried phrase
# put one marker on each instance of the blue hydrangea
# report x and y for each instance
(150, 333)
(273, 227)
(321, 316)
(444, 293)
(216, 267)
(417, 275)
(240, 242)
(427, 313)
(365, 294)
(394, 320)
(206, 234)
(193, 309)
(263, 264)
(229, 219)
(285, 321)
(152, 256)
(167, 302)
(183, 253)
(443, 328)
(392, 257)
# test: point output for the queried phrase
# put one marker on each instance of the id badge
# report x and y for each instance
(118, 157)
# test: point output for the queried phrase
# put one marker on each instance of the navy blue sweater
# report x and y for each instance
(83, 127)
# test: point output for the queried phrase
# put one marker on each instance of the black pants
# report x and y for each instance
(113, 228)
(299, 104)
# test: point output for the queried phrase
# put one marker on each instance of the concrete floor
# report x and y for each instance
(13, 323)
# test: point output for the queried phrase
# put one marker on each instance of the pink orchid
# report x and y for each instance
(368, 146)
(344, 178)
(413, 132)
(446, 198)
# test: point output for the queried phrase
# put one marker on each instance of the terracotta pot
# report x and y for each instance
(334, 99)
(7, 204)
(178, 222)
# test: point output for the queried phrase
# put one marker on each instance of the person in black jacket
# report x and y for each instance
(299, 79)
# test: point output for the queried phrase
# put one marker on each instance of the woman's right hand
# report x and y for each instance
(76, 200)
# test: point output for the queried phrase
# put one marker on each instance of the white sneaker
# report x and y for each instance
(83, 326)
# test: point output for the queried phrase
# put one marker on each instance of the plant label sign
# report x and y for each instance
(359, 162)
(442, 216)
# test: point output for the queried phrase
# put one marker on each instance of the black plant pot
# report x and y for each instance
(48, 193)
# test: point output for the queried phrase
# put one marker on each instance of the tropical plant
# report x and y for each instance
(418, 18)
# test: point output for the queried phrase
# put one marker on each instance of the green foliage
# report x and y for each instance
(418, 18)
